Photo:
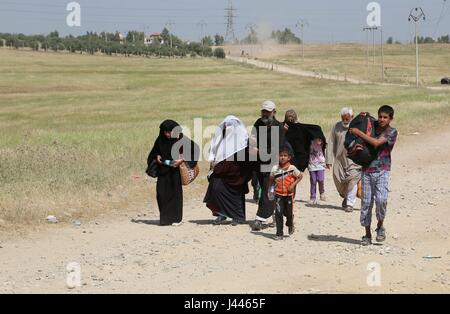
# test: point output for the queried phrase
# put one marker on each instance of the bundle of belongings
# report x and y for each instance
(358, 150)
(300, 136)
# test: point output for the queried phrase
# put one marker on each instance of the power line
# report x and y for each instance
(40, 5)
(169, 25)
(372, 30)
(441, 16)
(230, 34)
(112, 15)
(302, 23)
(202, 25)
(417, 15)
(251, 28)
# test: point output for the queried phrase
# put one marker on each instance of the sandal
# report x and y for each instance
(236, 222)
(257, 225)
(291, 230)
(381, 234)
(219, 220)
(344, 203)
(348, 209)
(366, 241)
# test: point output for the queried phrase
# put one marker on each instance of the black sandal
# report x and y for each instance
(366, 241)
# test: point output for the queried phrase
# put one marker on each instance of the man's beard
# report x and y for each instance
(345, 125)
(267, 121)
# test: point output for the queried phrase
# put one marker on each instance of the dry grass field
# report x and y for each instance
(75, 129)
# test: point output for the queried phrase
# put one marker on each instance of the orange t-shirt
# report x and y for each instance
(284, 178)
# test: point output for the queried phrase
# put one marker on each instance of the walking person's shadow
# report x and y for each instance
(270, 236)
(323, 206)
(334, 238)
(145, 222)
(203, 222)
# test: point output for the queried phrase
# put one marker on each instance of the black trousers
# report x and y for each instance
(265, 206)
(284, 206)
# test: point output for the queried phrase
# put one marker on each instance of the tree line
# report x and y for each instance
(165, 45)
(424, 40)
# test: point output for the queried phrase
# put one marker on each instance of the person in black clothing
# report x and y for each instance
(169, 191)
(268, 123)
(300, 136)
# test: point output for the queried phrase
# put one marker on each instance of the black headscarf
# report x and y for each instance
(163, 145)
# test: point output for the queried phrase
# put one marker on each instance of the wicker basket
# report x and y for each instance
(188, 174)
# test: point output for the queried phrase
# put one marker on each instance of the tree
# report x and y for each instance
(252, 38)
(219, 53)
(135, 37)
(208, 41)
(285, 37)
(444, 39)
(219, 40)
(54, 34)
(390, 40)
(165, 35)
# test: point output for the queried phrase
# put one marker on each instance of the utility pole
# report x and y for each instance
(367, 52)
(417, 15)
(230, 35)
(251, 28)
(370, 29)
(382, 55)
(169, 25)
(373, 44)
(202, 25)
(301, 24)
(145, 28)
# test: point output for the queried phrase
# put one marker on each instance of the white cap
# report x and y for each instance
(268, 106)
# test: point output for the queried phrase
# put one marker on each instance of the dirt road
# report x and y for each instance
(130, 253)
(298, 72)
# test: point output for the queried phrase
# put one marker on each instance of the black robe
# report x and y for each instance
(266, 207)
(169, 190)
(300, 136)
(227, 188)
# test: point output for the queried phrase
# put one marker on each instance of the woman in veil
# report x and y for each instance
(230, 172)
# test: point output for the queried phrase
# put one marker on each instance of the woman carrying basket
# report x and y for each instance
(169, 152)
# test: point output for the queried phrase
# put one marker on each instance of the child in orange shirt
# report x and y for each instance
(285, 178)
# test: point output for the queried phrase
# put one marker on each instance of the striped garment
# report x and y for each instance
(375, 190)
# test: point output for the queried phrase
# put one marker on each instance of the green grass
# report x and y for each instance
(73, 128)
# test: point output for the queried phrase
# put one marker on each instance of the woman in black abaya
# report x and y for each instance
(169, 191)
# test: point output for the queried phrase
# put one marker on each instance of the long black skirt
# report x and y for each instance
(266, 207)
(169, 194)
(223, 200)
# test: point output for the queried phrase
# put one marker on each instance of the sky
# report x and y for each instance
(328, 20)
